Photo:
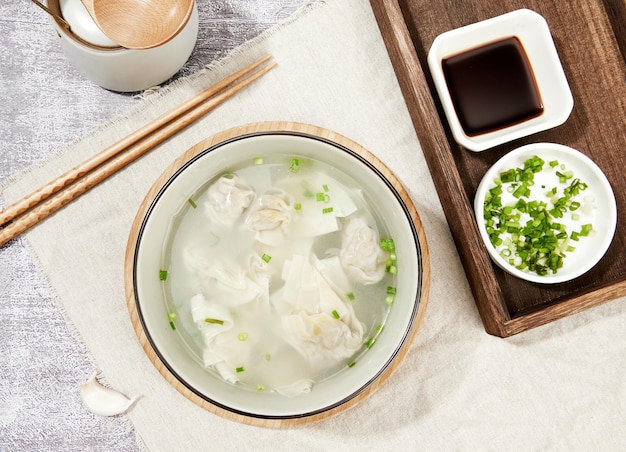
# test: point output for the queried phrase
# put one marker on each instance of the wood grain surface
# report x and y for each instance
(219, 138)
(590, 37)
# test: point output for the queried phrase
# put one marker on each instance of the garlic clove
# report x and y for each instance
(103, 401)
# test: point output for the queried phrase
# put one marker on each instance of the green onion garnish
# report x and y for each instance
(162, 275)
(192, 202)
(216, 321)
(325, 187)
(351, 363)
(297, 206)
(258, 161)
(239, 369)
(327, 210)
(387, 244)
(172, 325)
(528, 233)
(268, 357)
(172, 316)
(586, 229)
(295, 165)
(389, 299)
(336, 314)
(350, 296)
(260, 387)
(391, 290)
(243, 336)
(266, 258)
(370, 342)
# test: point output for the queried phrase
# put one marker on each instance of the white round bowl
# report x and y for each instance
(602, 215)
(145, 291)
(119, 69)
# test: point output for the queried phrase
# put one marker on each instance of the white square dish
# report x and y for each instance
(533, 33)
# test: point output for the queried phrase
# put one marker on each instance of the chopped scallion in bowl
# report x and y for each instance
(546, 213)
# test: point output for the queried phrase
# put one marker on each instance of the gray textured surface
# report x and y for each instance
(46, 104)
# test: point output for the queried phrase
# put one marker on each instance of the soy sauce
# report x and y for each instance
(492, 86)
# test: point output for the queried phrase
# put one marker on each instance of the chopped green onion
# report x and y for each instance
(379, 328)
(215, 321)
(172, 316)
(350, 296)
(526, 233)
(192, 202)
(389, 299)
(266, 258)
(325, 187)
(297, 206)
(336, 314)
(351, 363)
(391, 290)
(243, 336)
(327, 210)
(295, 165)
(586, 229)
(258, 161)
(172, 325)
(162, 275)
(322, 197)
(260, 387)
(387, 244)
(391, 269)
(508, 176)
(268, 357)
(239, 369)
(370, 342)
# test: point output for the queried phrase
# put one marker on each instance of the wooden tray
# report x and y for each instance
(590, 36)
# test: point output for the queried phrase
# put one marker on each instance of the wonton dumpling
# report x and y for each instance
(270, 218)
(333, 272)
(202, 309)
(235, 285)
(308, 306)
(227, 199)
(361, 255)
(322, 339)
(311, 220)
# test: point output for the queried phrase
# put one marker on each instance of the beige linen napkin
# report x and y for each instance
(558, 387)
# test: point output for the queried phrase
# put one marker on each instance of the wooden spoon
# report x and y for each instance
(140, 24)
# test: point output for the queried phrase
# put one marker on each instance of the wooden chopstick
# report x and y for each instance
(37, 206)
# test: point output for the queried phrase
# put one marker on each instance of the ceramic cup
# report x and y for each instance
(120, 69)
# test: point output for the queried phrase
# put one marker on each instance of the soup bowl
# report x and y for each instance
(163, 334)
